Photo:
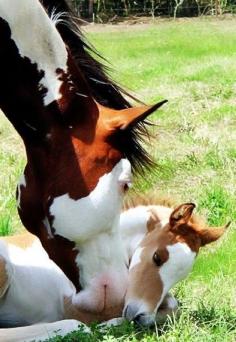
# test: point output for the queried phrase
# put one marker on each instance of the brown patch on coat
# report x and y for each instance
(186, 229)
(71, 311)
(145, 281)
(24, 240)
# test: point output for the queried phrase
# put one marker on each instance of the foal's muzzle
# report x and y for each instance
(132, 312)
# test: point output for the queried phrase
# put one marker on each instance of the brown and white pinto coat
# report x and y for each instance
(161, 244)
(76, 173)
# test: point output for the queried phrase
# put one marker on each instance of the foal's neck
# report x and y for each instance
(135, 223)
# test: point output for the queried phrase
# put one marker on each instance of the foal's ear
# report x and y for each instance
(208, 235)
(181, 214)
(127, 118)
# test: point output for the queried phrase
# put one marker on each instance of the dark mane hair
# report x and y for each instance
(102, 87)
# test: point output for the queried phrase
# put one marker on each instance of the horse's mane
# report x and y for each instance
(151, 198)
(102, 87)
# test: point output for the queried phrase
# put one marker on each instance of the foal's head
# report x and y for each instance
(164, 257)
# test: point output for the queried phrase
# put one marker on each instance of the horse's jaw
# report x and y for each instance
(80, 220)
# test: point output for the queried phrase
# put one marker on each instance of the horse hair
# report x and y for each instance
(103, 88)
(152, 198)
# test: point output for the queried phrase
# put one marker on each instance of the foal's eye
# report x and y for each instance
(157, 259)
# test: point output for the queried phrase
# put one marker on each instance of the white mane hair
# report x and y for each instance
(58, 17)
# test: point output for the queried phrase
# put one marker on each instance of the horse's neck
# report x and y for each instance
(135, 222)
(101, 256)
(38, 40)
(31, 52)
(38, 76)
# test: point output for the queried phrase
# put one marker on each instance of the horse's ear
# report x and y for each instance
(127, 118)
(208, 235)
(182, 214)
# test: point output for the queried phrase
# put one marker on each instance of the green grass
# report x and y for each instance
(192, 64)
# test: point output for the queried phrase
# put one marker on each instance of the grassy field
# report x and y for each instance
(192, 63)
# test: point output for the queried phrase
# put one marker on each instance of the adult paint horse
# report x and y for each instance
(160, 242)
(76, 145)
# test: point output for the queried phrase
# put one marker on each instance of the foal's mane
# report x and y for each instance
(151, 198)
(103, 88)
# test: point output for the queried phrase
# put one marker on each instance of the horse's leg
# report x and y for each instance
(168, 307)
(114, 322)
(40, 332)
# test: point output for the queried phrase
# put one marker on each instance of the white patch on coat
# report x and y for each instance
(41, 332)
(136, 258)
(37, 38)
(176, 268)
(92, 223)
(80, 220)
(133, 227)
(22, 182)
(103, 272)
(37, 286)
(133, 224)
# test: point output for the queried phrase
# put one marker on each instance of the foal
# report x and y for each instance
(161, 244)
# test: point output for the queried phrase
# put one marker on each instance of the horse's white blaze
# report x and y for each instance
(176, 268)
(136, 258)
(22, 182)
(37, 38)
(37, 286)
(79, 220)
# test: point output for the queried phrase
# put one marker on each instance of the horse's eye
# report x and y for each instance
(157, 259)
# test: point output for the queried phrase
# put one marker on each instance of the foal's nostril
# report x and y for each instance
(132, 313)
(138, 319)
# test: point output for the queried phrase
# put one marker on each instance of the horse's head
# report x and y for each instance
(164, 257)
(88, 160)
(76, 172)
